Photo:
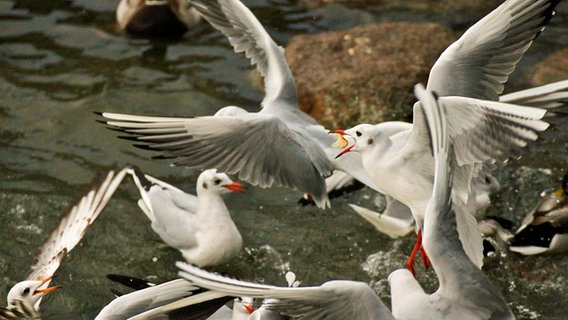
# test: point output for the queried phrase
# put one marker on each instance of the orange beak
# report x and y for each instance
(249, 308)
(46, 290)
(236, 187)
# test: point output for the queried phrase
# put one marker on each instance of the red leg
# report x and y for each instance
(425, 260)
(417, 245)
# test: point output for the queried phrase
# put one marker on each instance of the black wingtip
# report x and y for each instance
(146, 184)
(134, 283)
(116, 293)
(98, 113)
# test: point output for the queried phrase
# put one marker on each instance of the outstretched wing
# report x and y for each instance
(247, 35)
(332, 300)
(262, 149)
(481, 131)
(73, 226)
(479, 63)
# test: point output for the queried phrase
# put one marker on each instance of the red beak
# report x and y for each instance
(236, 187)
(344, 151)
(46, 290)
(249, 308)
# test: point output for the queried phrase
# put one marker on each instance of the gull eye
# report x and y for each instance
(358, 133)
(370, 141)
(204, 185)
(26, 292)
(217, 181)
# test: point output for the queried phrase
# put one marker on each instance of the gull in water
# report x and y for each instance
(464, 292)
(545, 229)
(199, 226)
(279, 145)
(156, 17)
(469, 76)
(25, 297)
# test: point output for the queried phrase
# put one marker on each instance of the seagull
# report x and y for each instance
(338, 299)
(199, 226)
(61, 241)
(469, 76)
(160, 300)
(156, 17)
(278, 145)
(181, 299)
(545, 229)
(464, 291)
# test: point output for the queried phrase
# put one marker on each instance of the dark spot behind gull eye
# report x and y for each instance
(26, 292)
(204, 185)
(358, 133)
(217, 181)
(370, 141)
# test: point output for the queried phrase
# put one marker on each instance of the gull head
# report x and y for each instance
(362, 137)
(211, 181)
(242, 307)
(29, 291)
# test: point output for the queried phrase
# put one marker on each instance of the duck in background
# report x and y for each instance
(545, 229)
(156, 17)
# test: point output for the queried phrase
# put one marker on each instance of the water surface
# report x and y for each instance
(62, 60)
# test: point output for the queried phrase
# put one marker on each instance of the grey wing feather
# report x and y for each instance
(481, 131)
(139, 301)
(73, 226)
(458, 277)
(262, 149)
(246, 34)
(332, 300)
(479, 63)
(549, 96)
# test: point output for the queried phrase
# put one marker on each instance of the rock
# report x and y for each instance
(468, 7)
(365, 74)
(553, 68)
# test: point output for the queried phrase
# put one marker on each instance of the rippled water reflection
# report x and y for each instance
(62, 60)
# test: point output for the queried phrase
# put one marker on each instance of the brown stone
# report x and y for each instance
(365, 74)
(553, 68)
(439, 6)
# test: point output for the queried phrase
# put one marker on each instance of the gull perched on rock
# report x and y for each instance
(279, 145)
(199, 226)
(25, 296)
(469, 76)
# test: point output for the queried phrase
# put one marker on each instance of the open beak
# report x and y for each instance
(341, 142)
(236, 187)
(46, 290)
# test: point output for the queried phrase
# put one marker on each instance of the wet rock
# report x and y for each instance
(364, 74)
(439, 6)
(553, 68)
